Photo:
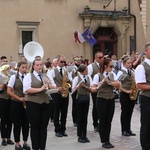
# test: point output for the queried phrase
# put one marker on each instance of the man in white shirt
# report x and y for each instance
(142, 77)
(93, 69)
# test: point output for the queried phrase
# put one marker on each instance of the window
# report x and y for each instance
(27, 32)
(26, 37)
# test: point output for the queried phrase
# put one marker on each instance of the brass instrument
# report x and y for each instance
(4, 68)
(31, 50)
(134, 94)
(65, 85)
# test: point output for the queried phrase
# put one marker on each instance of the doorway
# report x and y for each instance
(106, 41)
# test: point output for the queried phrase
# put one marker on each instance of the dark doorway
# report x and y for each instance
(106, 41)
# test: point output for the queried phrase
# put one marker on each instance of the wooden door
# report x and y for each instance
(106, 41)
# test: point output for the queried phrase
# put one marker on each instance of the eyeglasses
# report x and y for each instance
(63, 61)
(101, 57)
(5, 61)
(111, 66)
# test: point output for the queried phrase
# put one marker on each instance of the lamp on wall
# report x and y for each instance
(86, 8)
(125, 10)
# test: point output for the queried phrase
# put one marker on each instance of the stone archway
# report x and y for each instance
(119, 24)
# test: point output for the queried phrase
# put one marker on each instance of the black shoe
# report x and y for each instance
(86, 139)
(107, 145)
(75, 124)
(96, 128)
(4, 143)
(18, 147)
(125, 133)
(26, 147)
(112, 146)
(81, 140)
(58, 134)
(64, 134)
(131, 133)
(10, 142)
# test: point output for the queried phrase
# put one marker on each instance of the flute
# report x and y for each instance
(83, 80)
(100, 83)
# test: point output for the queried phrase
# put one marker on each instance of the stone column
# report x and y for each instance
(125, 25)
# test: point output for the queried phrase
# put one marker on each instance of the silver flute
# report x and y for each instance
(79, 84)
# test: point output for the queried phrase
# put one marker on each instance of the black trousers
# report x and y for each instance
(60, 112)
(38, 116)
(74, 107)
(20, 121)
(145, 123)
(51, 109)
(94, 110)
(6, 122)
(82, 115)
(105, 109)
(127, 106)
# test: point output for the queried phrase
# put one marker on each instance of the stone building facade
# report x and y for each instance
(118, 25)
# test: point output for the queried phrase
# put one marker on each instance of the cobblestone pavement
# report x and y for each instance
(70, 143)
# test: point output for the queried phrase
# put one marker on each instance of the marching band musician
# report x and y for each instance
(93, 69)
(104, 83)
(60, 102)
(142, 77)
(35, 85)
(5, 106)
(127, 105)
(74, 73)
(18, 111)
(82, 84)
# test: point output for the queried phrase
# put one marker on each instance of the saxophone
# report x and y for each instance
(65, 85)
(134, 94)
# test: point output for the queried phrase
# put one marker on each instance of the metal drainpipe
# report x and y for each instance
(134, 17)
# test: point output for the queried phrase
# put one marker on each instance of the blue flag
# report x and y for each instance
(87, 35)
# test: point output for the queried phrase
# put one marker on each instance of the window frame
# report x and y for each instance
(26, 26)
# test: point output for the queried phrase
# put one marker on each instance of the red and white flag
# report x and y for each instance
(78, 37)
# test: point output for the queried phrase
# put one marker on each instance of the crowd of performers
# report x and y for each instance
(31, 95)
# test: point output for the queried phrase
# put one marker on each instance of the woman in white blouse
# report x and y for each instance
(104, 83)
(18, 111)
(82, 83)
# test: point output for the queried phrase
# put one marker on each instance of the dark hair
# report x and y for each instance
(37, 57)
(105, 63)
(86, 61)
(21, 63)
(48, 64)
(32, 69)
(82, 67)
(125, 58)
(97, 53)
(3, 57)
(18, 65)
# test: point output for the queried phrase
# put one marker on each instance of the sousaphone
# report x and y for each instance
(33, 49)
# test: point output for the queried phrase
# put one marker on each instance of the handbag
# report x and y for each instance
(83, 98)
